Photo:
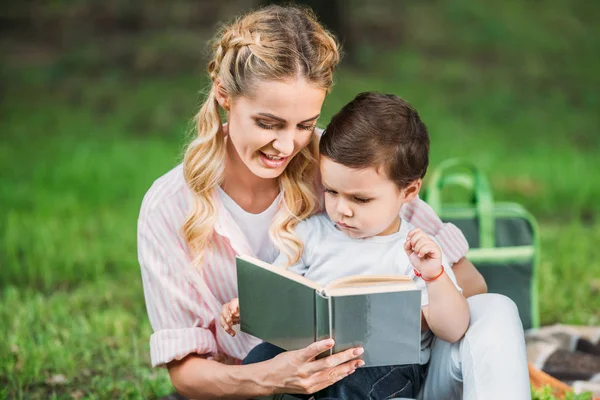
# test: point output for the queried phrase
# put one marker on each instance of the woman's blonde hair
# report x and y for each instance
(272, 43)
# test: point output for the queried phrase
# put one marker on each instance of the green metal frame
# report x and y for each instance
(483, 208)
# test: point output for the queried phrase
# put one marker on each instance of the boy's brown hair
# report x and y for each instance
(379, 130)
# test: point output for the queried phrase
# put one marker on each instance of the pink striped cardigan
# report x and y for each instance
(184, 304)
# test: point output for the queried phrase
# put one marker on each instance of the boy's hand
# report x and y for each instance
(424, 254)
(230, 315)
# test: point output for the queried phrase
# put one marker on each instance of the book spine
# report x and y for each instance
(322, 319)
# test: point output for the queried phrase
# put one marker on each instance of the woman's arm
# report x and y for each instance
(196, 377)
(468, 277)
(289, 372)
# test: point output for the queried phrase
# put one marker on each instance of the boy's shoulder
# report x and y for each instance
(318, 223)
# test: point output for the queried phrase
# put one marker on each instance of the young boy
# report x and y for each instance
(374, 155)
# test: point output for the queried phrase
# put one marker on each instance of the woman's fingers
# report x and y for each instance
(335, 360)
(299, 372)
(330, 376)
(311, 352)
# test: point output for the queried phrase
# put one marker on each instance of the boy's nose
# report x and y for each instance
(343, 208)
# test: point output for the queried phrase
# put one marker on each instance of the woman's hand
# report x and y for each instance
(230, 315)
(300, 372)
(424, 254)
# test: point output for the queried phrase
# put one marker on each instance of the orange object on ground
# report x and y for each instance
(540, 379)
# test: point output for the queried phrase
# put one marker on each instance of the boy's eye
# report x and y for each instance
(361, 200)
(331, 192)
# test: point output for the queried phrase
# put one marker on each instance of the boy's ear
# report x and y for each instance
(412, 190)
(221, 95)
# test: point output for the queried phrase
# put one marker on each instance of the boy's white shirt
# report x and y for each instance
(330, 254)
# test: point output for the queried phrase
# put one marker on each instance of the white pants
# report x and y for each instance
(489, 362)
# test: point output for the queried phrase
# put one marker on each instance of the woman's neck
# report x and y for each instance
(254, 194)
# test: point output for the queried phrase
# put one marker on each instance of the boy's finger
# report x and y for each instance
(224, 323)
(418, 246)
(418, 236)
(432, 250)
(412, 232)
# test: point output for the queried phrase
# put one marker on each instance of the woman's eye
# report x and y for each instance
(307, 128)
(331, 192)
(265, 126)
(361, 200)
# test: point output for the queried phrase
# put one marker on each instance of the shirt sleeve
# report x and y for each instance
(298, 268)
(177, 312)
(451, 240)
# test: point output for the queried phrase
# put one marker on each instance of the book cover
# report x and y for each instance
(380, 313)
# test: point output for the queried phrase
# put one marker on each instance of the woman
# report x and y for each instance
(241, 189)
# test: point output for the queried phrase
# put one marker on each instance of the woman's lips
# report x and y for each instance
(271, 161)
(342, 225)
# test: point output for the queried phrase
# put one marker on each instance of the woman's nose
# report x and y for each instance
(284, 143)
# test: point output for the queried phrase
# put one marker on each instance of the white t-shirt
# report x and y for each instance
(330, 254)
(254, 226)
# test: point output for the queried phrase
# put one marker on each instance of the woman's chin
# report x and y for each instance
(267, 172)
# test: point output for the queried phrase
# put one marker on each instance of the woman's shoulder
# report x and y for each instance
(169, 192)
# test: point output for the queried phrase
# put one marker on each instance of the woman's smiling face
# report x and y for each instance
(268, 128)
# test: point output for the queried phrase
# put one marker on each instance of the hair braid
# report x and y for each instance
(272, 43)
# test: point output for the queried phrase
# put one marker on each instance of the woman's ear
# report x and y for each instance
(412, 190)
(221, 95)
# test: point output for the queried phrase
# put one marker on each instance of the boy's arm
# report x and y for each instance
(447, 313)
(450, 313)
(445, 309)
(452, 242)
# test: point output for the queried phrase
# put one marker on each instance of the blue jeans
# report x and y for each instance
(374, 383)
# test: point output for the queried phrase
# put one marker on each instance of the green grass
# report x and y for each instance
(546, 393)
(513, 89)
(94, 338)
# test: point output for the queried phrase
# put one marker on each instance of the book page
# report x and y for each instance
(368, 279)
(364, 284)
(381, 287)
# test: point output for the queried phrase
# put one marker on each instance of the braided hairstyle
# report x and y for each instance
(271, 43)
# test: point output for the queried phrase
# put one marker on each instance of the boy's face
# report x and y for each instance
(363, 202)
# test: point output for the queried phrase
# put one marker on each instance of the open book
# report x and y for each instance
(380, 313)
